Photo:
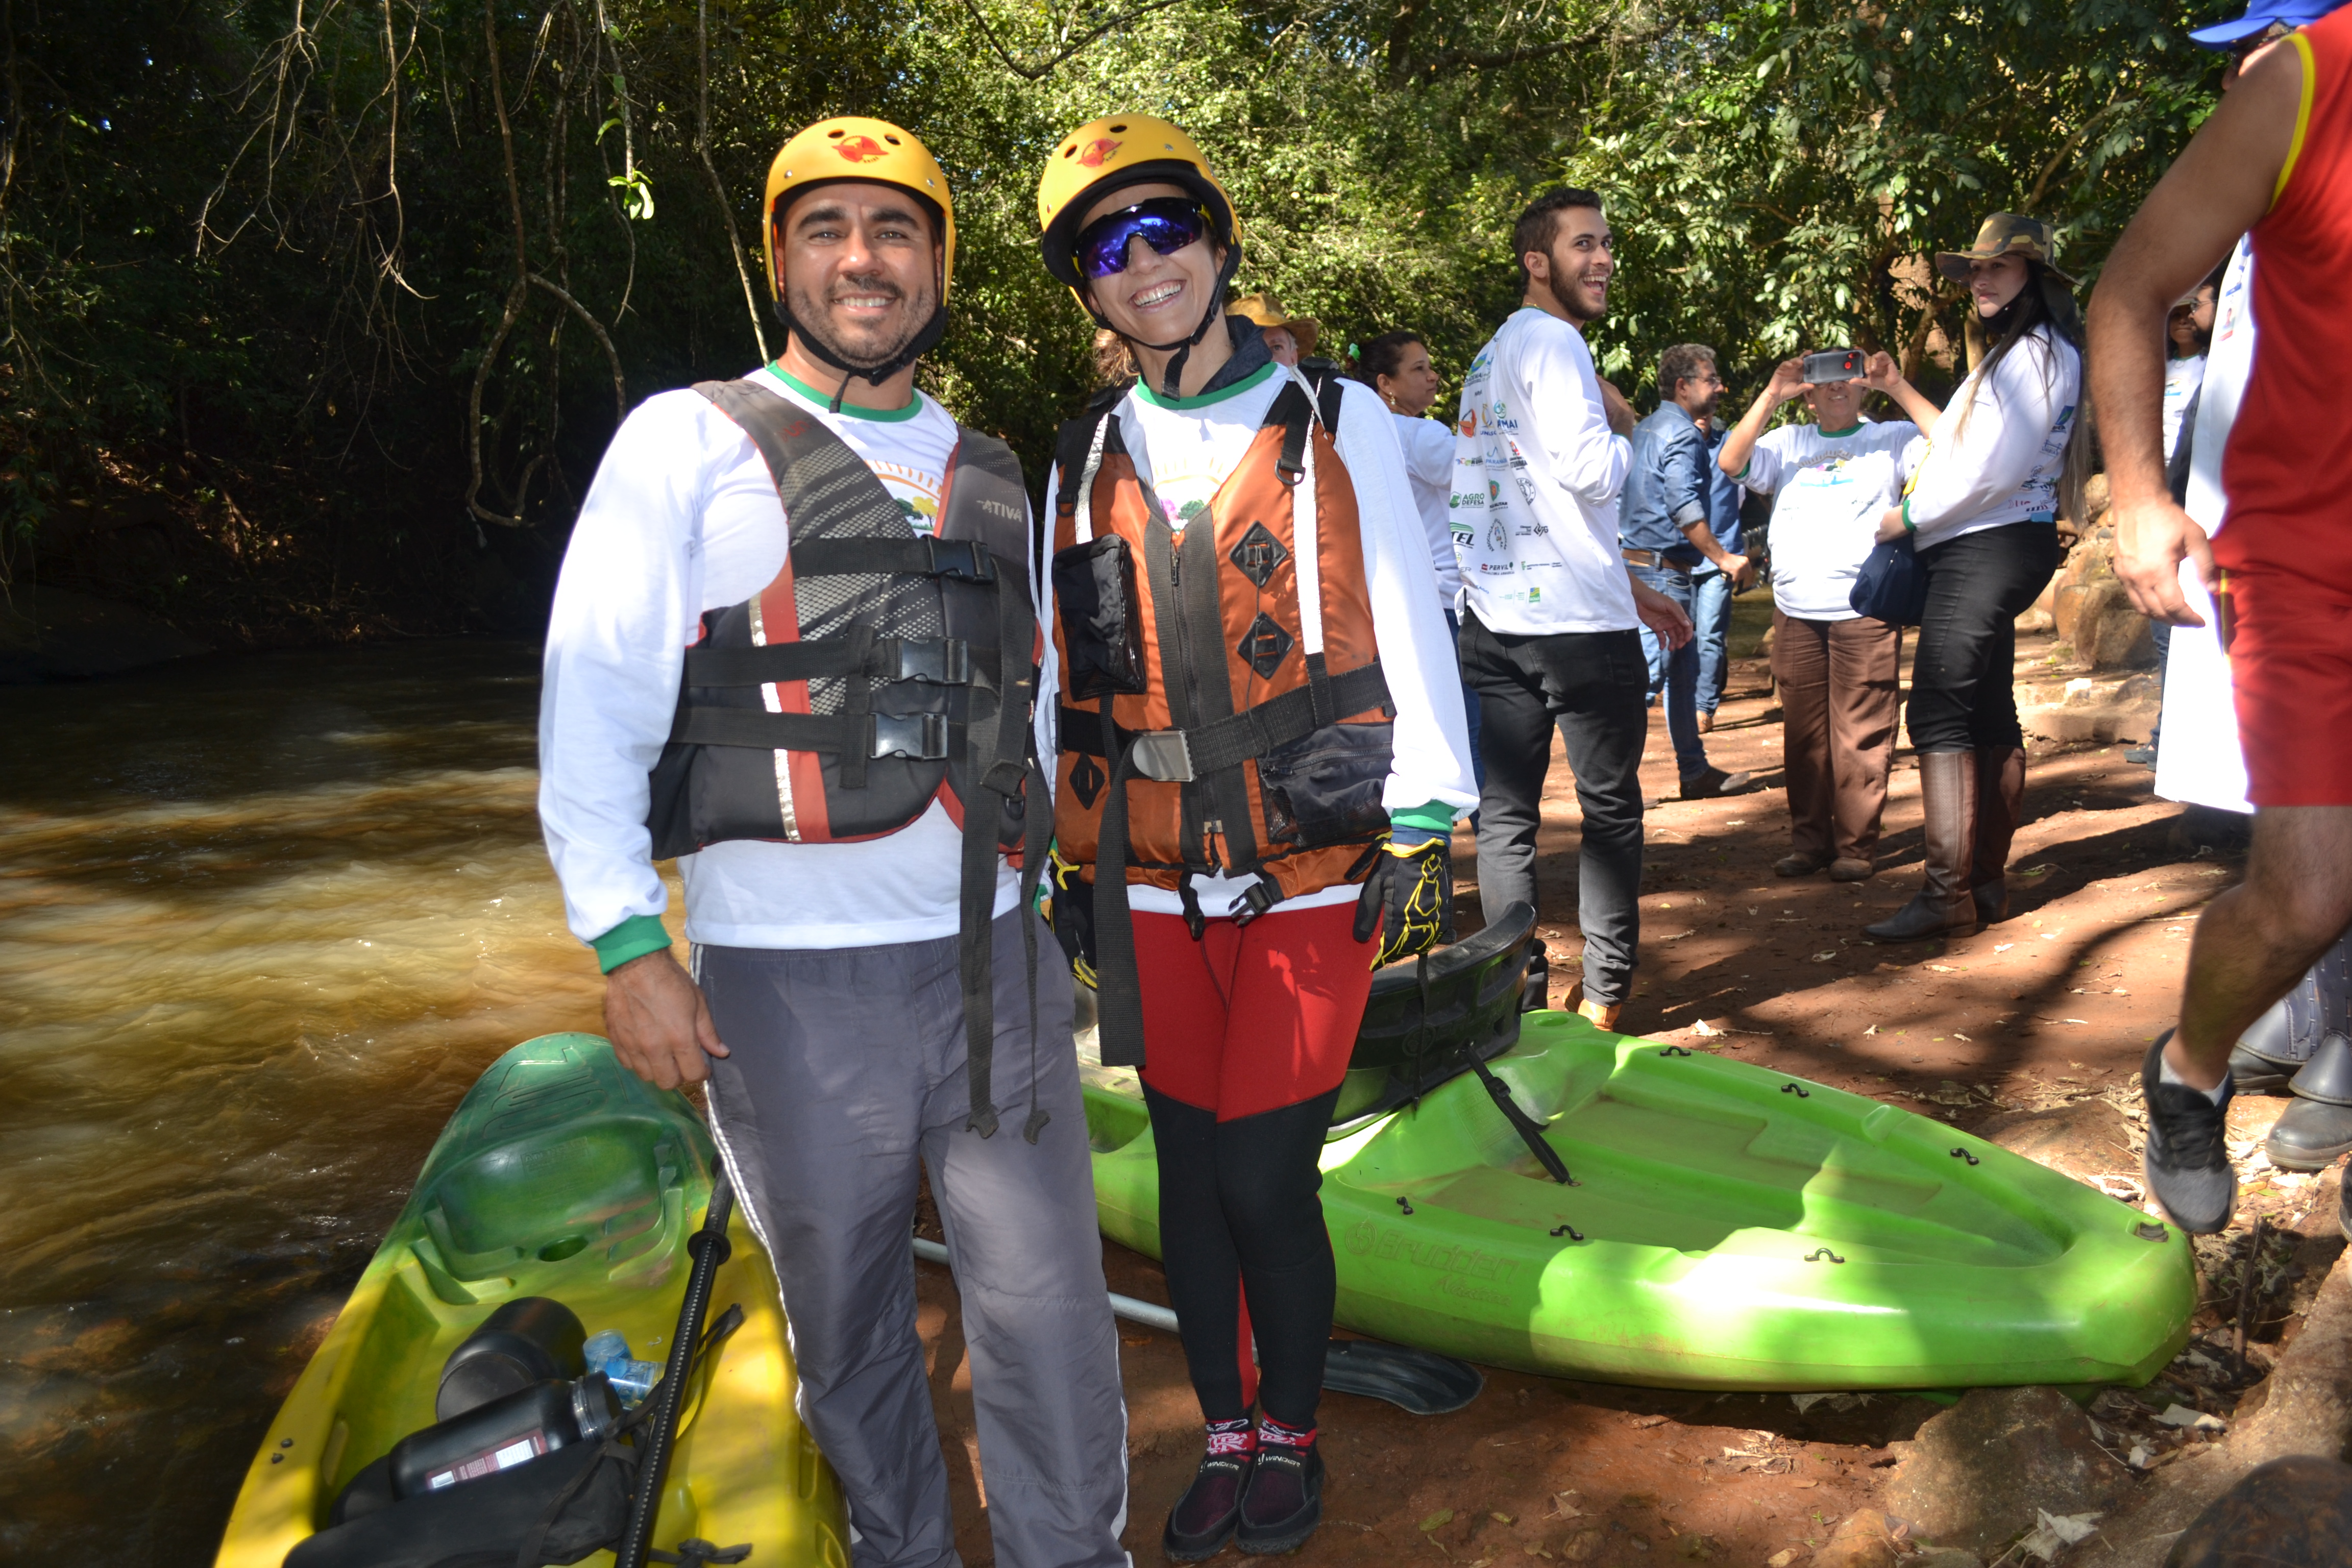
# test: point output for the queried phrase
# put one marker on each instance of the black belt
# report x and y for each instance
(1657, 559)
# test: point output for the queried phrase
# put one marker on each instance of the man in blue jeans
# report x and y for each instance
(1664, 532)
(1711, 588)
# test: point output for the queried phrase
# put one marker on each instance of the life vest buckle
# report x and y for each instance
(1163, 754)
(959, 560)
(921, 737)
(937, 661)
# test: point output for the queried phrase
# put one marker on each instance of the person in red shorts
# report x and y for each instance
(1261, 755)
(2276, 159)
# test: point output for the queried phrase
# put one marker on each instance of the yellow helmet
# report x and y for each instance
(1121, 150)
(853, 147)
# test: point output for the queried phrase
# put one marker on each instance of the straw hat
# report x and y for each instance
(1266, 311)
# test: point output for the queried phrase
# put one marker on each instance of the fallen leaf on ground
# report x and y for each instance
(1872, 1030)
(1442, 1517)
(2181, 1416)
(2056, 1531)
(1824, 957)
(1941, 968)
(1782, 1558)
(2003, 947)
(1500, 1518)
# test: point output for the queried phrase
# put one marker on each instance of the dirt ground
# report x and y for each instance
(2041, 1020)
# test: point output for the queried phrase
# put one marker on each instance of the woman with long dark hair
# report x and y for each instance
(2005, 458)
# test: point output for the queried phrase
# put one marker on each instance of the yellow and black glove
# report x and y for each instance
(1409, 897)
(1069, 909)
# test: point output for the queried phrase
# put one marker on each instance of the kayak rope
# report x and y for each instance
(1568, 1231)
(1798, 1089)
(1963, 1154)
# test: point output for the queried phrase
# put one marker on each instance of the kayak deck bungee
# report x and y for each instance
(1728, 1227)
(560, 1174)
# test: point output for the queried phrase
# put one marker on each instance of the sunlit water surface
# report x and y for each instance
(262, 922)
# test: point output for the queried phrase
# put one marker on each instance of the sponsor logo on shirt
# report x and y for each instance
(1469, 426)
(1497, 540)
(1497, 568)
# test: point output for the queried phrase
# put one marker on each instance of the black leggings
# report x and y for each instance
(1239, 1215)
(1963, 690)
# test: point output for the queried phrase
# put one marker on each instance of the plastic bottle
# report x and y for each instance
(608, 1353)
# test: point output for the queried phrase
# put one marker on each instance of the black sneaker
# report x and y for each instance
(2187, 1164)
(1284, 1501)
(1205, 1517)
(1715, 783)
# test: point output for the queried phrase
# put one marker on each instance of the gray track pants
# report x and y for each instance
(847, 1067)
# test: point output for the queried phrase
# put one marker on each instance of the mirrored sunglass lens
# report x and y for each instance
(1168, 226)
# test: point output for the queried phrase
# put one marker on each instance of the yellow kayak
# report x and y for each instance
(561, 1175)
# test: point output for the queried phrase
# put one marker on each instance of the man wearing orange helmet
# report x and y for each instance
(1262, 753)
(794, 644)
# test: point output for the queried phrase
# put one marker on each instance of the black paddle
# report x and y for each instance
(709, 1248)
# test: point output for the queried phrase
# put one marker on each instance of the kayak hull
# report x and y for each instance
(560, 1174)
(1730, 1229)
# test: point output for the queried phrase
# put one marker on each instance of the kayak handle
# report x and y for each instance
(1568, 1231)
(1673, 1051)
(1405, 1203)
(1798, 1089)
(1963, 1154)
(1816, 1257)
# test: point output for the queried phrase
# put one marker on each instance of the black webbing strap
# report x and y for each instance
(1001, 741)
(937, 661)
(1247, 735)
(964, 559)
(928, 737)
(1119, 999)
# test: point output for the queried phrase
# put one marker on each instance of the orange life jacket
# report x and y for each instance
(1223, 705)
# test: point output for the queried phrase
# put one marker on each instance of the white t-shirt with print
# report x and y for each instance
(1833, 490)
(1537, 477)
(1428, 447)
(1995, 455)
(682, 518)
(1184, 450)
(2182, 379)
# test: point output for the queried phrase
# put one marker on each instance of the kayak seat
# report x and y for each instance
(1426, 1020)
(567, 1158)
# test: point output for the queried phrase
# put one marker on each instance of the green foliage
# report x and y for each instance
(274, 256)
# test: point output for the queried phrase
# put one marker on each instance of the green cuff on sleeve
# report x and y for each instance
(1435, 818)
(1908, 526)
(632, 938)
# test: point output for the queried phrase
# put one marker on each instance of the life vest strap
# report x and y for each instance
(958, 560)
(922, 737)
(935, 661)
(1179, 756)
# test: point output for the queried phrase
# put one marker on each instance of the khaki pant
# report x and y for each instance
(1837, 703)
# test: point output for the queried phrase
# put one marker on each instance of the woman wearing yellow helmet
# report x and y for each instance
(1256, 800)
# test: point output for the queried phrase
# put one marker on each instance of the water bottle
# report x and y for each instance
(508, 1431)
(608, 1353)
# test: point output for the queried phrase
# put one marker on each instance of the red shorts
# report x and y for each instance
(2291, 663)
(1254, 1017)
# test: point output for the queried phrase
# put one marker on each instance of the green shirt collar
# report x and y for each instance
(1183, 404)
(824, 400)
(1842, 435)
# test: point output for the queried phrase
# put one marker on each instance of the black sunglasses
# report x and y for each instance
(1167, 224)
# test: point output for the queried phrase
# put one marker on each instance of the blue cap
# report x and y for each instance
(2260, 16)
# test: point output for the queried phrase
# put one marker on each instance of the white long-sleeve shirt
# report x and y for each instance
(2003, 466)
(1536, 477)
(683, 517)
(1428, 446)
(1185, 448)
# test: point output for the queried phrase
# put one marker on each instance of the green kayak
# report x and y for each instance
(560, 1174)
(1728, 1226)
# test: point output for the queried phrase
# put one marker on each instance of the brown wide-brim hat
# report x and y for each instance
(2005, 234)
(1266, 311)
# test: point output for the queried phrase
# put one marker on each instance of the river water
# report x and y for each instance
(263, 920)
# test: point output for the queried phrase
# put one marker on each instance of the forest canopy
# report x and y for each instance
(320, 313)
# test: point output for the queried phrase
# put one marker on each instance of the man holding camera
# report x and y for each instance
(1665, 540)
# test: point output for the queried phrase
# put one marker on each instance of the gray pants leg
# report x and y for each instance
(847, 1067)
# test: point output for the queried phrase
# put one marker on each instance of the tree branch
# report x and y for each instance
(1475, 60)
(718, 187)
(1037, 72)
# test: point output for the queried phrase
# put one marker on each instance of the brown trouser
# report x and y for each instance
(1838, 700)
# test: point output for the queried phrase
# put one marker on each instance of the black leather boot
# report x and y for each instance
(2317, 1130)
(1947, 788)
(2000, 806)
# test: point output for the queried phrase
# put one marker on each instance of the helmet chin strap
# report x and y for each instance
(921, 344)
(1184, 346)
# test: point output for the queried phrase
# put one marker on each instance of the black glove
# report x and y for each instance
(1412, 884)
(1070, 910)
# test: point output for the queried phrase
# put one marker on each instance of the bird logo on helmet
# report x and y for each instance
(876, 152)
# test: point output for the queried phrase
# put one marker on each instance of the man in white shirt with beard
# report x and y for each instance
(1551, 619)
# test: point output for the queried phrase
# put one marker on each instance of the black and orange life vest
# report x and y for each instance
(1222, 706)
(877, 672)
